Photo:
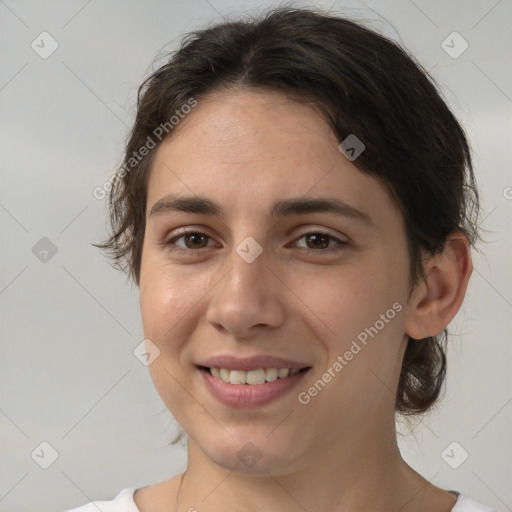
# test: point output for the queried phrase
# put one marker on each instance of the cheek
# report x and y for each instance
(170, 303)
(350, 298)
(363, 307)
(168, 300)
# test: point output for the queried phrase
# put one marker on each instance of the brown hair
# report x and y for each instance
(365, 85)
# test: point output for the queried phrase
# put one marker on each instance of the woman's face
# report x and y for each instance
(262, 287)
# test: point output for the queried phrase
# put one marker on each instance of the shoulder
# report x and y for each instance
(465, 504)
(123, 502)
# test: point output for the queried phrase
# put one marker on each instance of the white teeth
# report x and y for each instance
(237, 377)
(255, 376)
(283, 373)
(252, 377)
(271, 374)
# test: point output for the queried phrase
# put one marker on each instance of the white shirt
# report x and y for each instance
(123, 502)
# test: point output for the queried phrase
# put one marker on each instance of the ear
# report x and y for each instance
(436, 299)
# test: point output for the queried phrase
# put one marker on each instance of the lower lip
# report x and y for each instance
(245, 395)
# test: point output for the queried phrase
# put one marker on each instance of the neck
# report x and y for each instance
(362, 471)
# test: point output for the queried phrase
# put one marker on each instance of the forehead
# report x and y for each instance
(253, 148)
(244, 124)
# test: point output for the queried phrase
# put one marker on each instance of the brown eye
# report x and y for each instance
(192, 241)
(195, 240)
(317, 240)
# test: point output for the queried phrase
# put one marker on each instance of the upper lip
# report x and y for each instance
(250, 363)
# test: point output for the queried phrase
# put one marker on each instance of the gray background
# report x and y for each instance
(69, 325)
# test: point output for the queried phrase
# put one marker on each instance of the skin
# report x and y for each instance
(246, 149)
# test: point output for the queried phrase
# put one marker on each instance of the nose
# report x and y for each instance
(249, 297)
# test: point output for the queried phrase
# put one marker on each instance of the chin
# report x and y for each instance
(252, 452)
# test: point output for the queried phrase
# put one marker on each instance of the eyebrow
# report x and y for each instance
(280, 209)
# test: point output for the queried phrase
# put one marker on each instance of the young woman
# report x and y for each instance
(297, 206)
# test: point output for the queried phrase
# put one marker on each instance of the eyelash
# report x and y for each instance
(180, 250)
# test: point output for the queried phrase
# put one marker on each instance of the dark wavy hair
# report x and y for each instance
(363, 84)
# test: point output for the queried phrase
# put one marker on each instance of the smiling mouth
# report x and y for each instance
(253, 377)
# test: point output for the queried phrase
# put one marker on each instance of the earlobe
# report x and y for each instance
(436, 299)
